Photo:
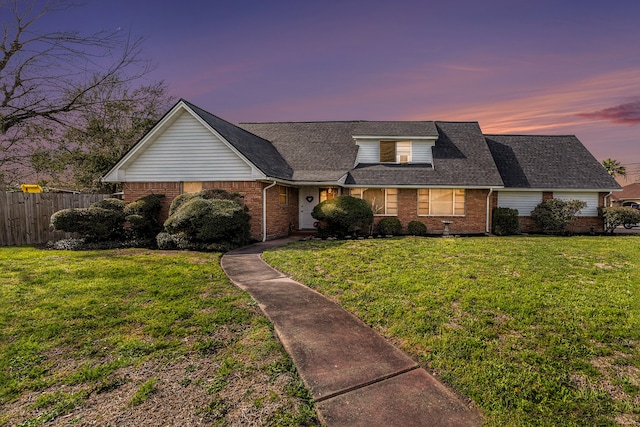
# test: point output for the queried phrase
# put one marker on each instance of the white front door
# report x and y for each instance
(308, 200)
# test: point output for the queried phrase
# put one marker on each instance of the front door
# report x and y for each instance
(308, 200)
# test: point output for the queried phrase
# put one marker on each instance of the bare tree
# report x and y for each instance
(101, 133)
(47, 77)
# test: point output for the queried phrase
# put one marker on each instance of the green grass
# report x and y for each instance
(76, 326)
(535, 330)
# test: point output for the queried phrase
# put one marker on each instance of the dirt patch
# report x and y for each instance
(182, 397)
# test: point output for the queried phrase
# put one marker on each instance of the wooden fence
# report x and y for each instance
(25, 216)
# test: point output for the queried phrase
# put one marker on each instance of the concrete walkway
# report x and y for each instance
(355, 377)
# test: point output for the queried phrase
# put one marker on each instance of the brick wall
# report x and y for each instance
(135, 190)
(278, 217)
(473, 222)
(281, 219)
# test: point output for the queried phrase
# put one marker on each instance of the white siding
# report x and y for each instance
(421, 152)
(187, 151)
(590, 198)
(368, 152)
(524, 201)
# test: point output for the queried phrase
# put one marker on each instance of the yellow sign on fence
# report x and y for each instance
(31, 188)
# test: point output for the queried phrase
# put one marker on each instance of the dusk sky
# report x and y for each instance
(515, 66)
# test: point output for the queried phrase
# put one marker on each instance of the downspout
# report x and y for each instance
(264, 211)
(604, 202)
(488, 205)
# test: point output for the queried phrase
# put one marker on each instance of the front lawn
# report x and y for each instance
(535, 330)
(137, 337)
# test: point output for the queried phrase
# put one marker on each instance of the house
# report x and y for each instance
(629, 195)
(423, 170)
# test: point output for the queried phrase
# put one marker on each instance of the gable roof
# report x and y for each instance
(548, 162)
(326, 152)
(257, 150)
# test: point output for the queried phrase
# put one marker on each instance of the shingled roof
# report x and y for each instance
(553, 162)
(326, 151)
(629, 192)
(257, 150)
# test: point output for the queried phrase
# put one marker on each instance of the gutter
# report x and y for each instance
(488, 206)
(264, 210)
(605, 198)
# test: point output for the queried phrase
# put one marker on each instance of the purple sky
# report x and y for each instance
(515, 66)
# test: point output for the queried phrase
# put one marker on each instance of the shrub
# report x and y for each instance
(94, 224)
(554, 215)
(204, 194)
(389, 226)
(104, 221)
(615, 216)
(111, 204)
(200, 222)
(343, 215)
(416, 228)
(505, 221)
(142, 216)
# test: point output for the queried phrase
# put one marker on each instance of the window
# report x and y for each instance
(327, 194)
(284, 195)
(395, 151)
(191, 187)
(441, 201)
(383, 201)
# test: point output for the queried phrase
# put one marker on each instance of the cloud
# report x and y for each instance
(556, 108)
(628, 113)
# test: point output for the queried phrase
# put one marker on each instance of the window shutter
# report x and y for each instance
(387, 151)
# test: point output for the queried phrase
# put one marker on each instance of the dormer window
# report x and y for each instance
(398, 150)
(395, 151)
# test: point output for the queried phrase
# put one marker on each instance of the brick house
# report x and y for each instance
(629, 196)
(425, 171)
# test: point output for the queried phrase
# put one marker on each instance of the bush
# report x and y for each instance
(101, 221)
(111, 204)
(615, 216)
(142, 216)
(554, 215)
(389, 226)
(104, 221)
(204, 194)
(505, 221)
(416, 228)
(199, 222)
(343, 215)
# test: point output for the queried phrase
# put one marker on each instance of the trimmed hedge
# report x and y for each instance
(204, 194)
(202, 222)
(389, 226)
(113, 220)
(505, 221)
(416, 228)
(102, 221)
(343, 215)
(142, 216)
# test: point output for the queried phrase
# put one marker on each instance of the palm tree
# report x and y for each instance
(614, 167)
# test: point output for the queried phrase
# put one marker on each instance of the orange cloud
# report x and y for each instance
(558, 107)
